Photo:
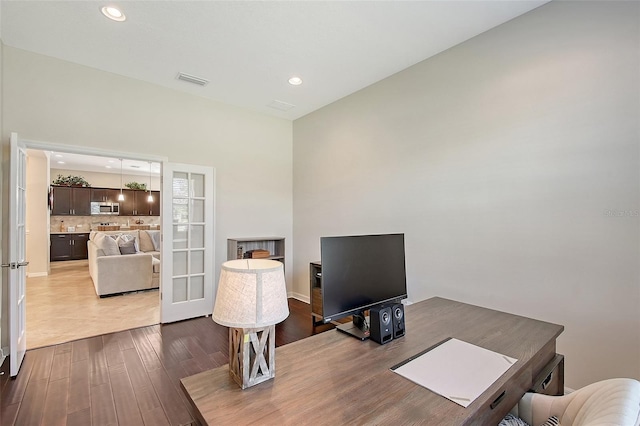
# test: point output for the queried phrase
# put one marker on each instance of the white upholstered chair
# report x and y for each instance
(614, 402)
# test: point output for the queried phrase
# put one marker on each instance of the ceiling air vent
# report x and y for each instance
(192, 79)
(282, 106)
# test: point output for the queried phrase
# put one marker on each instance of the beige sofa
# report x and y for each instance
(115, 273)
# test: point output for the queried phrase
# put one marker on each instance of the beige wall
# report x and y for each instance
(511, 163)
(37, 214)
(50, 100)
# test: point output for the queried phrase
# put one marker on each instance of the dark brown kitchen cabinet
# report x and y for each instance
(154, 207)
(68, 247)
(71, 201)
(105, 195)
(128, 206)
(136, 203)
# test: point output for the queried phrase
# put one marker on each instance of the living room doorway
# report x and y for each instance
(62, 304)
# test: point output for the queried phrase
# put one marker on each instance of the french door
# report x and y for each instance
(188, 277)
(188, 274)
(17, 274)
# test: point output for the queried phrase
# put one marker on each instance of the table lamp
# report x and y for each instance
(251, 300)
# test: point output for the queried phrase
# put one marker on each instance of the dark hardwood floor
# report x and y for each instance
(125, 378)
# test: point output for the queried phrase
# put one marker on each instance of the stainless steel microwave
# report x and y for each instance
(101, 207)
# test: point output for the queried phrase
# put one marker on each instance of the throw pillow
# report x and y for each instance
(127, 244)
(552, 421)
(127, 247)
(511, 420)
(108, 245)
(135, 239)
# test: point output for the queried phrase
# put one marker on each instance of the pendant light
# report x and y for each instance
(150, 197)
(121, 196)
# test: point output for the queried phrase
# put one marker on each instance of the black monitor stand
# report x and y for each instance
(358, 328)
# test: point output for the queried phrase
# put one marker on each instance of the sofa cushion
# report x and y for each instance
(107, 244)
(146, 243)
(155, 264)
(155, 239)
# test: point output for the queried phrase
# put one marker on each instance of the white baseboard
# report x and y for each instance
(298, 296)
(36, 274)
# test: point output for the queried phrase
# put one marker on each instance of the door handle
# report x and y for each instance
(14, 265)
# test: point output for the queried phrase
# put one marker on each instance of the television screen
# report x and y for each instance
(359, 272)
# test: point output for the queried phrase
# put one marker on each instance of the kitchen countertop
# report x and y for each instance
(87, 231)
(69, 232)
(151, 227)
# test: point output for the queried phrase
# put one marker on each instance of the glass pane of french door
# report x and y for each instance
(188, 276)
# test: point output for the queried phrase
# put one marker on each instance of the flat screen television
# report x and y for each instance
(360, 272)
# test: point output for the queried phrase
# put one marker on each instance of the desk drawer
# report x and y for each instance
(550, 381)
(502, 401)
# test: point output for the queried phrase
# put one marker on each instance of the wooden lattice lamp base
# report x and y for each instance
(252, 355)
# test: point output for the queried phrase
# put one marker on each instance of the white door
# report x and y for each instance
(17, 264)
(187, 278)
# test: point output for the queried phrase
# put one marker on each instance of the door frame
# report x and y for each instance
(74, 149)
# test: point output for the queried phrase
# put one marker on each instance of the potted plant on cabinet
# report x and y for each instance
(71, 181)
(136, 185)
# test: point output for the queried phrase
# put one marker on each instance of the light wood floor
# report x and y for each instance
(64, 306)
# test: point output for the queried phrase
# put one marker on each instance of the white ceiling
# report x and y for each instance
(92, 163)
(248, 50)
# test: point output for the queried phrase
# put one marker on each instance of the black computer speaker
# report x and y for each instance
(398, 320)
(381, 328)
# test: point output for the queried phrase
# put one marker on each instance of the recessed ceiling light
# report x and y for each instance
(295, 81)
(108, 167)
(111, 161)
(58, 155)
(60, 162)
(113, 12)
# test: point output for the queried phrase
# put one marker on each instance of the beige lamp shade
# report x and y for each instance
(251, 293)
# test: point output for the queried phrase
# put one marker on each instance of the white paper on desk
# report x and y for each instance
(457, 370)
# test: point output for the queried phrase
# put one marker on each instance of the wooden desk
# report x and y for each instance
(332, 378)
